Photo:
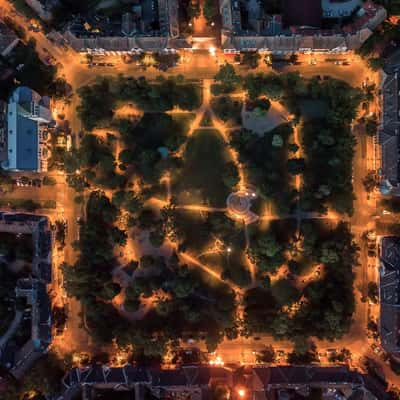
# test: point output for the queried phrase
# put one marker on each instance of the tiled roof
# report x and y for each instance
(7, 38)
(302, 13)
(389, 293)
(100, 374)
(390, 129)
(290, 375)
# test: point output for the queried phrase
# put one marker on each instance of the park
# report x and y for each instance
(194, 217)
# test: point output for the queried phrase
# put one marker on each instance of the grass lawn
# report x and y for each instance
(200, 180)
(156, 130)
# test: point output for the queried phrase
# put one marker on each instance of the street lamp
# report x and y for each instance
(241, 392)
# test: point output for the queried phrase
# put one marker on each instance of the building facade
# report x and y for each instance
(389, 128)
(8, 40)
(28, 119)
(298, 29)
(150, 26)
(389, 294)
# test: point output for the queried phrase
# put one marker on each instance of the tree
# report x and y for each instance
(370, 182)
(285, 292)
(296, 166)
(157, 238)
(227, 78)
(147, 261)
(6, 182)
(227, 109)
(376, 63)
(266, 356)
(97, 103)
(263, 104)
(251, 59)
(60, 89)
(109, 291)
(373, 292)
(230, 174)
(126, 156)
(118, 198)
(118, 236)
(266, 252)
(371, 127)
(293, 58)
(294, 266)
(60, 232)
(304, 351)
(210, 10)
(132, 203)
(163, 61)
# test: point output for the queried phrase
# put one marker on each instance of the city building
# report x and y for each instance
(302, 13)
(190, 382)
(8, 40)
(150, 26)
(300, 28)
(198, 382)
(3, 131)
(28, 120)
(17, 359)
(389, 283)
(389, 128)
(340, 8)
(44, 8)
(291, 382)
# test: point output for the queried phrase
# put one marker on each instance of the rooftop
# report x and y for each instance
(302, 13)
(8, 39)
(389, 291)
(390, 130)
